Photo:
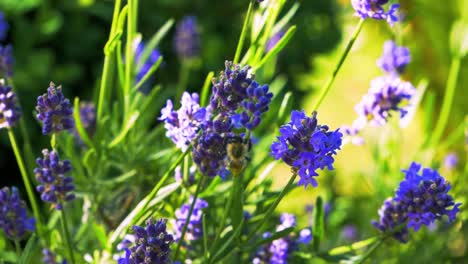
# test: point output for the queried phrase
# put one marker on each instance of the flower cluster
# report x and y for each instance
(209, 151)
(6, 61)
(152, 244)
(10, 112)
(386, 95)
(56, 188)
(144, 66)
(375, 9)
(279, 250)
(13, 214)
(54, 111)
(306, 146)
(49, 257)
(3, 27)
(187, 38)
(183, 125)
(394, 58)
(420, 199)
(236, 88)
(194, 225)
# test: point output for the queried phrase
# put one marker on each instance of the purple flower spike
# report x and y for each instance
(152, 244)
(187, 38)
(13, 215)
(10, 112)
(183, 125)
(6, 61)
(386, 95)
(394, 58)
(421, 198)
(194, 226)
(54, 111)
(375, 9)
(306, 146)
(55, 187)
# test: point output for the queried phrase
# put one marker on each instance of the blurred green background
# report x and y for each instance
(62, 41)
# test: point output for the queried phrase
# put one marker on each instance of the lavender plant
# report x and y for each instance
(132, 174)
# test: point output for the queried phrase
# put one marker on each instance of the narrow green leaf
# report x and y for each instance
(129, 124)
(277, 48)
(319, 223)
(222, 251)
(122, 18)
(206, 89)
(285, 20)
(112, 42)
(353, 247)
(90, 159)
(31, 245)
(150, 72)
(153, 43)
(285, 105)
(79, 125)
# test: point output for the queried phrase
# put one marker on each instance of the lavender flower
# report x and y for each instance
(49, 257)
(88, 120)
(187, 38)
(3, 27)
(56, 188)
(183, 125)
(426, 196)
(271, 43)
(375, 9)
(305, 236)
(386, 95)
(54, 111)
(420, 199)
(451, 161)
(10, 112)
(306, 146)
(394, 58)
(209, 151)
(393, 215)
(13, 215)
(278, 251)
(194, 226)
(144, 66)
(152, 244)
(6, 61)
(236, 89)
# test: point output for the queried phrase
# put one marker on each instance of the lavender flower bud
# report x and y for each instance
(10, 112)
(54, 111)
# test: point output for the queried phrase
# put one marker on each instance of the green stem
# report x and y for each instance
(240, 44)
(183, 79)
(27, 149)
(107, 70)
(371, 250)
(18, 248)
(330, 81)
(448, 99)
(158, 186)
(27, 183)
(227, 209)
(271, 209)
(184, 228)
(68, 240)
(237, 201)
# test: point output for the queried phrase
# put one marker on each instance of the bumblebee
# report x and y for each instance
(237, 150)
